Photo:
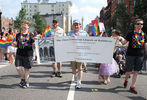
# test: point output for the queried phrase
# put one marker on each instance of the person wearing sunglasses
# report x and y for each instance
(56, 32)
(135, 53)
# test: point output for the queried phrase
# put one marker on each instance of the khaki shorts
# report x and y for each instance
(76, 65)
(84, 64)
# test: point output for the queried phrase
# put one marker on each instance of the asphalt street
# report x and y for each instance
(43, 87)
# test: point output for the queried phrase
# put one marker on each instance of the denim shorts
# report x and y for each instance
(22, 61)
(134, 63)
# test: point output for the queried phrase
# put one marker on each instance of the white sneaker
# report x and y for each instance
(27, 85)
(78, 86)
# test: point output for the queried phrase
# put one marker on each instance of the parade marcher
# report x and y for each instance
(84, 63)
(24, 54)
(11, 50)
(57, 32)
(36, 38)
(77, 66)
(3, 36)
(119, 53)
(115, 34)
(1, 49)
(106, 70)
(135, 53)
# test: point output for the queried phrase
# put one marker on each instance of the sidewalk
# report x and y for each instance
(4, 63)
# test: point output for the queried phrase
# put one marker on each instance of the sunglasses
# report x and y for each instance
(139, 23)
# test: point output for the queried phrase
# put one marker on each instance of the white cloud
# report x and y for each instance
(87, 12)
(87, 9)
(75, 9)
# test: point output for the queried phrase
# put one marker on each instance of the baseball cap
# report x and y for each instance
(76, 21)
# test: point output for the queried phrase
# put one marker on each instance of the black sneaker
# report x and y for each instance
(25, 85)
(59, 74)
(125, 84)
(54, 74)
(22, 82)
(133, 90)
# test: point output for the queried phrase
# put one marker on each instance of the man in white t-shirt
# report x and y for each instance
(57, 32)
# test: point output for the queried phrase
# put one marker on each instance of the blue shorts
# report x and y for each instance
(134, 63)
(22, 61)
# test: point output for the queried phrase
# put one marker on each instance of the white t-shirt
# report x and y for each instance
(58, 32)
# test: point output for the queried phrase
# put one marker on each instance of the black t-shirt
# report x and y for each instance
(26, 50)
(138, 51)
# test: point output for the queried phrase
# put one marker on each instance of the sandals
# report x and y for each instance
(85, 70)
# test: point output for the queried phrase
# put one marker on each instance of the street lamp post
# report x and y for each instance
(0, 21)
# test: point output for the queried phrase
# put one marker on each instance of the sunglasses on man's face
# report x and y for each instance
(139, 23)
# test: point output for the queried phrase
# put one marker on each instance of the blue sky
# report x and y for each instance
(89, 9)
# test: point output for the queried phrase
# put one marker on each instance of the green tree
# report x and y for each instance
(19, 18)
(140, 11)
(40, 24)
(121, 19)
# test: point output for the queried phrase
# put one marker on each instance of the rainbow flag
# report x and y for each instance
(94, 27)
(14, 38)
(47, 32)
(5, 43)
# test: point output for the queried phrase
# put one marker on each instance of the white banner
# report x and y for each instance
(84, 49)
(45, 51)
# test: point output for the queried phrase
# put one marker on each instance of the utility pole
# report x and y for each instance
(82, 22)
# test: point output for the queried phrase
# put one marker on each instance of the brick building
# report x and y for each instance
(107, 12)
(7, 23)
